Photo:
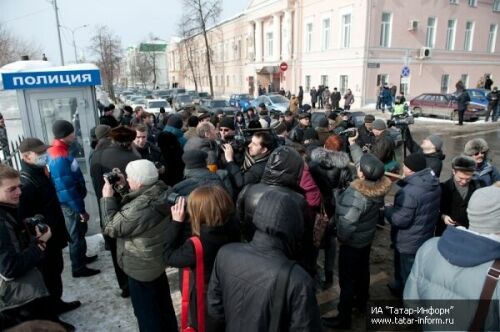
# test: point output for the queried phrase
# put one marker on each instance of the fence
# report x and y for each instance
(10, 154)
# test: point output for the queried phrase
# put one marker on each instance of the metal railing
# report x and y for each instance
(10, 155)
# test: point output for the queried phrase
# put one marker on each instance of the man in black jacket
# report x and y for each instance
(335, 97)
(39, 197)
(297, 134)
(383, 145)
(456, 193)
(366, 137)
(149, 151)
(108, 118)
(258, 268)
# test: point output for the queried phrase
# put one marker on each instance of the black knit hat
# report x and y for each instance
(193, 121)
(195, 159)
(174, 121)
(416, 162)
(227, 122)
(371, 167)
(62, 128)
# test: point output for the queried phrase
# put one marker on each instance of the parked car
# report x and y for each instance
(211, 106)
(182, 101)
(478, 97)
(443, 106)
(241, 101)
(200, 96)
(154, 105)
(273, 102)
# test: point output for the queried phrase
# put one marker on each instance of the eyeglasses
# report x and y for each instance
(480, 152)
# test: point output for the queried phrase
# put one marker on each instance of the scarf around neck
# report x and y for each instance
(250, 161)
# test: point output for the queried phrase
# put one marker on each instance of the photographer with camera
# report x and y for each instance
(227, 136)
(23, 295)
(298, 133)
(256, 156)
(39, 198)
(138, 222)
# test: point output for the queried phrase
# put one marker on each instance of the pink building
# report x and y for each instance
(354, 44)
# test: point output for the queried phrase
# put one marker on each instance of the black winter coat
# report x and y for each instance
(39, 196)
(435, 162)
(383, 147)
(244, 275)
(252, 175)
(109, 120)
(172, 155)
(366, 137)
(453, 205)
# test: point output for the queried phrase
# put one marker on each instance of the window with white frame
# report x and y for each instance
(445, 82)
(492, 38)
(385, 30)
(465, 80)
(469, 34)
(344, 81)
(430, 40)
(325, 35)
(450, 34)
(496, 5)
(454, 2)
(309, 32)
(382, 78)
(308, 82)
(269, 39)
(346, 31)
(324, 80)
(472, 3)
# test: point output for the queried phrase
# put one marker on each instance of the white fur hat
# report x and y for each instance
(142, 171)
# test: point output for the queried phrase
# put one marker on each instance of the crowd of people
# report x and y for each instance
(261, 194)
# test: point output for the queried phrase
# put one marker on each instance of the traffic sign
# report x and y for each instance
(283, 66)
(405, 72)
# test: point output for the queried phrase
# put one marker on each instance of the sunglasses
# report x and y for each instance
(480, 152)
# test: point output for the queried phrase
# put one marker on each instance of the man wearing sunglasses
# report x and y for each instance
(478, 148)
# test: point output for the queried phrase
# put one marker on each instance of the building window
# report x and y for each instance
(269, 38)
(430, 40)
(445, 82)
(465, 80)
(346, 31)
(450, 35)
(382, 78)
(454, 2)
(325, 41)
(309, 32)
(324, 80)
(385, 31)
(308, 82)
(343, 83)
(473, 3)
(492, 38)
(469, 34)
(496, 5)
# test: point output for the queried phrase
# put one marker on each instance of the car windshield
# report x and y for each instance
(140, 101)
(184, 98)
(157, 104)
(203, 94)
(219, 103)
(245, 97)
(279, 100)
(476, 93)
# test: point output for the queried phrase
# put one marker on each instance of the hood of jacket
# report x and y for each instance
(283, 168)
(372, 189)
(438, 155)
(175, 131)
(423, 179)
(279, 217)
(330, 159)
(199, 173)
(464, 248)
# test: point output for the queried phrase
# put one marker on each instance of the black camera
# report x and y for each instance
(351, 132)
(158, 165)
(37, 221)
(173, 198)
(113, 177)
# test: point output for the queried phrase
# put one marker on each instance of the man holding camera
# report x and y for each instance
(23, 295)
(70, 186)
(39, 197)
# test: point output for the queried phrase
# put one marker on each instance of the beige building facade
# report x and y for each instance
(354, 44)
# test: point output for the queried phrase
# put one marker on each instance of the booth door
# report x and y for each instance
(75, 105)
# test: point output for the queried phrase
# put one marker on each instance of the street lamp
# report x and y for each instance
(73, 35)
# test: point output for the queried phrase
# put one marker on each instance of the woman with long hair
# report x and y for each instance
(211, 213)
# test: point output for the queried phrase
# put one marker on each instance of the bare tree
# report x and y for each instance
(188, 48)
(142, 68)
(12, 47)
(202, 14)
(108, 49)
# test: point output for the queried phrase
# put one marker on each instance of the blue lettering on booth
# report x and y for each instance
(51, 79)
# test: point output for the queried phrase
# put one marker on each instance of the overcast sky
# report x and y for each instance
(132, 20)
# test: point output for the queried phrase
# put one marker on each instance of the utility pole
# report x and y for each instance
(73, 36)
(58, 31)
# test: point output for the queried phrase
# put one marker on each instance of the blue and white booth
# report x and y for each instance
(46, 93)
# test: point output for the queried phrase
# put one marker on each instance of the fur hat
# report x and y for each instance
(369, 118)
(142, 171)
(463, 163)
(416, 162)
(204, 116)
(227, 122)
(102, 131)
(379, 124)
(62, 128)
(475, 146)
(122, 134)
(483, 210)
(371, 167)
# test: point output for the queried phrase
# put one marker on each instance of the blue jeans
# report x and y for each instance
(402, 268)
(77, 244)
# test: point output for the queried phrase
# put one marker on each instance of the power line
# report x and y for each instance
(26, 15)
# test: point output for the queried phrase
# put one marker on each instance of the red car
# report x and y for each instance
(443, 106)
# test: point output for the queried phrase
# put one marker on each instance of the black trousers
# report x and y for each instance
(39, 309)
(153, 305)
(121, 277)
(354, 279)
(51, 269)
(461, 116)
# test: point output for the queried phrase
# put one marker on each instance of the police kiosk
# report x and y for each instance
(45, 94)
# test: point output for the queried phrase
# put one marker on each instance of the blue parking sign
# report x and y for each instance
(405, 72)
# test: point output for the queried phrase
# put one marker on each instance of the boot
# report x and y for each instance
(338, 322)
(328, 279)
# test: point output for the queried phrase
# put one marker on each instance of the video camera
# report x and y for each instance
(351, 132)
(37, 221)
